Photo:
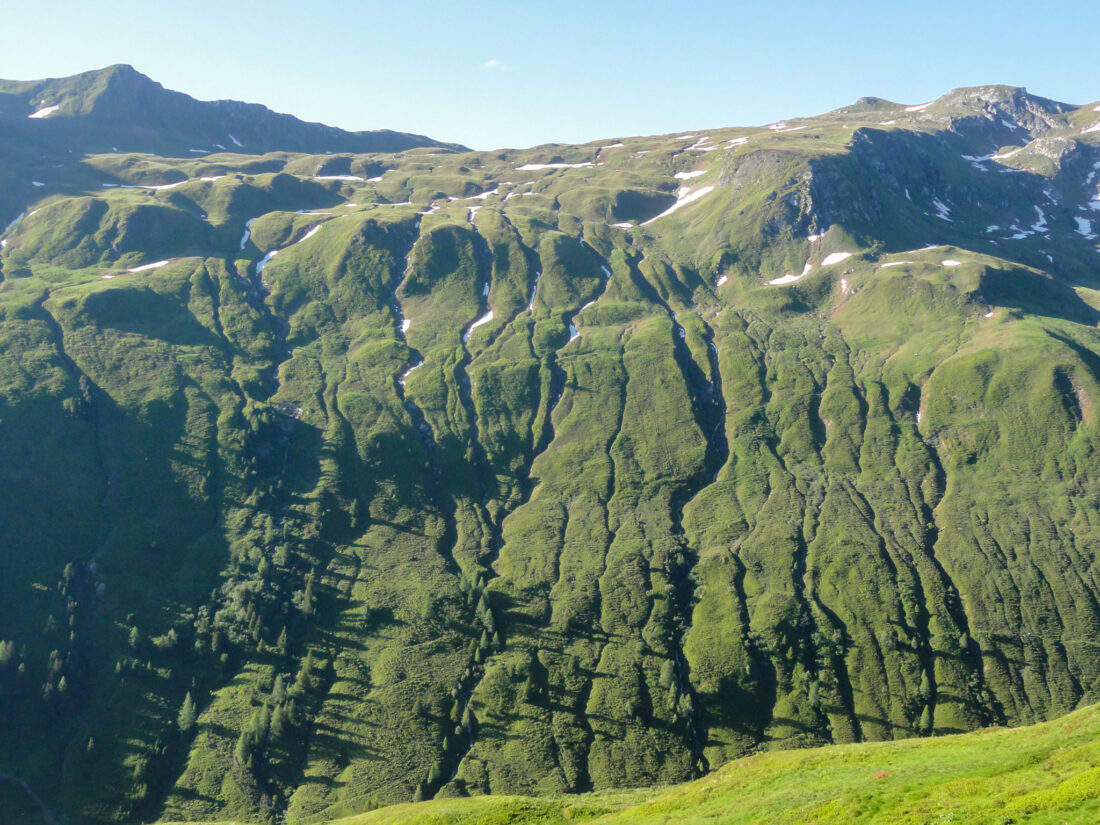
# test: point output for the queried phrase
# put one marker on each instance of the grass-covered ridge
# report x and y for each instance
(335, 481)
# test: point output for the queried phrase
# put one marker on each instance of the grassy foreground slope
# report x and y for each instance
(1042, 774)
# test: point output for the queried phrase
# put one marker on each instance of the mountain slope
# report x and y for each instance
(558, 470)
(120, 109)
(46, 125)
(1037, 774)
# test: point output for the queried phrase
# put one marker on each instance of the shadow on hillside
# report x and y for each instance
(1036, 295)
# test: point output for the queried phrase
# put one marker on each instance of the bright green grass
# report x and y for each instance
(1040, 774)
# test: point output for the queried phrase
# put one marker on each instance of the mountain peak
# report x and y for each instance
(1014, 100)
(117, 108)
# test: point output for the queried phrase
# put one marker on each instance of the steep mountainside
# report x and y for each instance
(331, 481)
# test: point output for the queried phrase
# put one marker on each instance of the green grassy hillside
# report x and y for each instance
(335, 481)
(1045, 773)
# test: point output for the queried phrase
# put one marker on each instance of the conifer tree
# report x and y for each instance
(307, 598)
(187, 716)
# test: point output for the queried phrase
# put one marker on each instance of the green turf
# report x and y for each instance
(1040, 774)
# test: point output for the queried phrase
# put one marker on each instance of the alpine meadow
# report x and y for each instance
(349, 470)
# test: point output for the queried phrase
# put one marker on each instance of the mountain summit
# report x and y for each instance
(120, 109)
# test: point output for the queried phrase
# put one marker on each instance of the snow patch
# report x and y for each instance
(265, 260)
(785, 279)
(815, 238)
(835, 258)
(699, 147)
(37, 183)
(683, 197)
(1084, 227)
(689, 175)
(741, 141)
(405, 324)
(843, 286)
(44, 112)
(943, 212)
(311, 233)
(950, 262)
(1009, 124)
(13, 224)
(1040, 224)
(895, 263)
(988, 314)
(405, 375)
(484, 195)
(235, 141)
(573, 334)
(624, 225)
(534, 292)
(200, 151)
(338, 177)
(1094, 128)
(790, 278)
(534, 167)
(722, 280)
(919, 108)
(888, 122)
(484, 319)
(618, 145)
(156, 265)
(247, 231)
(977, 161)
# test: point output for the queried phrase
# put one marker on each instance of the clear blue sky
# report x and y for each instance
(492, 73)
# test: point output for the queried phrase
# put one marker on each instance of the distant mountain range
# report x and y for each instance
(340, 470)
